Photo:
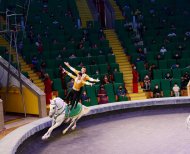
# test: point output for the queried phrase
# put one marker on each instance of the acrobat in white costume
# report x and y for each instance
(57, 113)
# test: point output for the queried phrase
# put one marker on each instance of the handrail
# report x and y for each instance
(93, 10)
(27, 83)
(109, 7)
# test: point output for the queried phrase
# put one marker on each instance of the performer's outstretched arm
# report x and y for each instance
(88, 83)
(71, 68)
(69, 74)
(72, 76)
(76, 72)
(91, 79)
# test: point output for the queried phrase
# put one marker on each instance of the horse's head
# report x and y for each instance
(56, 104)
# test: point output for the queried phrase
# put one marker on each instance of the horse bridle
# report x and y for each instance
(57, 109)
(56, 105)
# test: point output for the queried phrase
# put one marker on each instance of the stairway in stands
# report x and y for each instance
(84, 12)
(24, 67)
(118, 14)
(124, 65)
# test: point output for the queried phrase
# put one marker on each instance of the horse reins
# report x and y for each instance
(57, 109)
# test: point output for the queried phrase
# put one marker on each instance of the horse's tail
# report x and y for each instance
(86, 110)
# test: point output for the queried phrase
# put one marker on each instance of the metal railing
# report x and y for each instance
(27, 83)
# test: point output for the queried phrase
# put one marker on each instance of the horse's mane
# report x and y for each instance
(58, 99)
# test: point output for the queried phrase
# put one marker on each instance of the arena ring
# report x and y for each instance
(10, 143)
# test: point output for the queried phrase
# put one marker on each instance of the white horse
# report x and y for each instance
(57, 113)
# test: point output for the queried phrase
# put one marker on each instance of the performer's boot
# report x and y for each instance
(72, 105)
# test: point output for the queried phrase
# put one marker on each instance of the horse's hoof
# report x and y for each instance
(64, 132)
(44, 138)
(73, 128)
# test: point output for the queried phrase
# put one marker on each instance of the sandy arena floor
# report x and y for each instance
(160, 131)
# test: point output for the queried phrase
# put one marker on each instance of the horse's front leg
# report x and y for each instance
(71, 124)
(56, 124)
(47, 133)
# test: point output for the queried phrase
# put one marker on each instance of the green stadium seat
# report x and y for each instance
(92, 59)
(56, 73)
(185, 54)
(50, 63)
(111, 59)
(134, 57)
(166, 93)
(157, 74)
(162, 64)
(104, 43)
(103, 68)
(50, 73)
(86, 103)
(101, 59)
(165, 71)
(88, 69)
(67, 53)
(185, 70)
(171, 62)
(151, 62)
(96, 76)
(93, 69)
(110, 92)
(140, 66)
(113, 66)
(85, 61)
(116, 85)
(176, 73)
(57, 85)
(91, 92)
(86, 44)
(79, 53)
(165, 84)
(168, 55)
(183, 63)
(61, 94)
(153, 83)
(106, 50)
(52, 54)
(150, 56)
(76, 61)
(46, 55)
(94, 51)
(142, 74)
(97, 87)
(178, 81)
(118, 77)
